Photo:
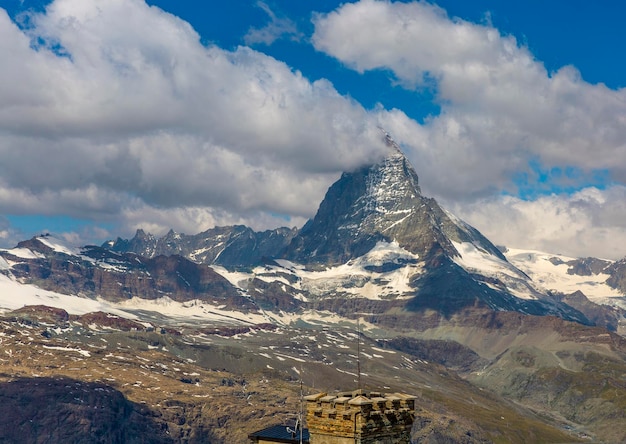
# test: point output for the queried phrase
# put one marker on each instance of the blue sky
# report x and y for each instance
(117, 114)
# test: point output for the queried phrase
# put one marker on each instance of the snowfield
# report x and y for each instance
(475, 260)
(353, 279)
(553, 277)
(14, 295)
(528, 273)
(384, 272)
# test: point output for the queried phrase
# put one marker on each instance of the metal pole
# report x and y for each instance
(358, 353)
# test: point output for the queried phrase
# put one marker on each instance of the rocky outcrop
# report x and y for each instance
(98, 272)
(42, 313)
(230, 246)
(600, 315)
(617, 272)
(81, 412)
(587, 266)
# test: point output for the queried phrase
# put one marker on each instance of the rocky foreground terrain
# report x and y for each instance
(101, 378)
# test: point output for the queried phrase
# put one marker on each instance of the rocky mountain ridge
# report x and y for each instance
(234, 246)
(374, 237)
(202, 338)
(375, 246)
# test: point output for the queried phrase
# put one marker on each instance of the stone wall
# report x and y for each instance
(360, 417)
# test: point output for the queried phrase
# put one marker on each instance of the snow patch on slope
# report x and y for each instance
(554, 277)
(24, 253)
(57, 245)
(478, 260)
(475, 260)
(14, 295)
(237, 278)
(354, 277)
(382, 273)
(191, 311)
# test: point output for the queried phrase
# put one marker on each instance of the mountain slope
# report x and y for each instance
(94, 272)
(232, 246)
(380, 203)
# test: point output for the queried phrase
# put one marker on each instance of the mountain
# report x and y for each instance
(375, 237)
(234, 246)
(94, 272)
(381, 203)
(590, 285)
(202, 338)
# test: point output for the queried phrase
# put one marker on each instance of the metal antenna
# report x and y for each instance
(301, 409)
(300, 419)
(358, 352)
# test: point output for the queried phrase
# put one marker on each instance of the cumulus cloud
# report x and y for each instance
(6, 232)
(503, 116)
(111, 107)
(500, 107)
(586, 223)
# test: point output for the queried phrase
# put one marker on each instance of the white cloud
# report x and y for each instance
(122, 108)
(192, 220)
(501, 113)
(587, 223)
(500, 107)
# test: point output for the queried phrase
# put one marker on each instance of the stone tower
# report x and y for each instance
(360, 417)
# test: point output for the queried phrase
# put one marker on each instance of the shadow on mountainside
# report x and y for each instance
(448, 289)
(62, 410)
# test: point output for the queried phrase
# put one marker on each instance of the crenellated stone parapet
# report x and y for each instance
(360, 417)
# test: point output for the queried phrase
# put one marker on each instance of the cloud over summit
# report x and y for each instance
(119, 112)
(121, 104)
(502, 114)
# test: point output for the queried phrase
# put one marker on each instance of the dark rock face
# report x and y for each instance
(233, 246)
(42, 313)
(600, 315)
(113, 276)
(274, 296)
(102, 319)
(617, 277)
(449, 289)
(587, 266)
(382, 202)
(62, 410)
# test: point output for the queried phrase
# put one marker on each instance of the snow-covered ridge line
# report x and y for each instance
(476, 260)
(544, 272)
(57, 245)
(545, 275)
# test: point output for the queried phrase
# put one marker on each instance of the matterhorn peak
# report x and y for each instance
(390, 142)
(381, 202)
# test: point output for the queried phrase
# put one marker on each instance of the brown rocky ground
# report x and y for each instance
(147, 395)
(94, 380)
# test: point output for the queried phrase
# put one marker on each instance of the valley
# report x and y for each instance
(218, 385)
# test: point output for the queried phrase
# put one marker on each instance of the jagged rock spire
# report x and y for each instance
(379, 202)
